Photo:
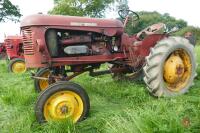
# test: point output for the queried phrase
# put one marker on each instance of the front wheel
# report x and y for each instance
(170, 68)
(41, 84)
(17, 66)
(62, 100)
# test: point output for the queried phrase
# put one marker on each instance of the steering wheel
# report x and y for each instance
(158, 28)
(128, 13)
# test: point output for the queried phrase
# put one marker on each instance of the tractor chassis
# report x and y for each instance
(53, 77)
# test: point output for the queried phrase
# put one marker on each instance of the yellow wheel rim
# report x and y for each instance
(177, 70)
(19, 67)
(63, 105)
(43, 84)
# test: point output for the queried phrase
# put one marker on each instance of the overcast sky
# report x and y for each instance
(182, 9)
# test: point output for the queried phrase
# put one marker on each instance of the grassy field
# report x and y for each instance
(116, 107)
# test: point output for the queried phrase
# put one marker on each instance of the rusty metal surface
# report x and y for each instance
(76, 39)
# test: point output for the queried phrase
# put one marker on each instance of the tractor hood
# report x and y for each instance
(58, 20)
(13, 38)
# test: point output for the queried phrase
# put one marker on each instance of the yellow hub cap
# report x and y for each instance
(177, 70)
(44, 83)
(62, 105)
(19, 67)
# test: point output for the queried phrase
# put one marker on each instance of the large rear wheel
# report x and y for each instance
(17, 66)
(62, 100)
(170, 68)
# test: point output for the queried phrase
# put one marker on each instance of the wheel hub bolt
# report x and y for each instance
(64, 109)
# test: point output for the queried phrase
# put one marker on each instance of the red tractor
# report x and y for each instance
(2, 51)
(66, 46)
(15, 53)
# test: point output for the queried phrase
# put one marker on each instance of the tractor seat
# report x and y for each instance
(158, 28)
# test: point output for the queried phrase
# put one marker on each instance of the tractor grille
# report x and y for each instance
(28, 42)
(8, 46)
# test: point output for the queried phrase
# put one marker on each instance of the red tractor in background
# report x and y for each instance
(2, 51)
(15, 53)
(67, 46)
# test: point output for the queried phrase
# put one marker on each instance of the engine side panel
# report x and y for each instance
(44, 46)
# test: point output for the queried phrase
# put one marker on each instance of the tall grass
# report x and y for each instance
(116, 107)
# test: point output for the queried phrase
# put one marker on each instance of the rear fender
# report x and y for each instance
(149, 42)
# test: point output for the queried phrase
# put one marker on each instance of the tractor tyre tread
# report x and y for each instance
(153, 70)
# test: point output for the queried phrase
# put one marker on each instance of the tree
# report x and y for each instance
(91, 8)
(149, 18)
(8, 11)
(122, 5)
